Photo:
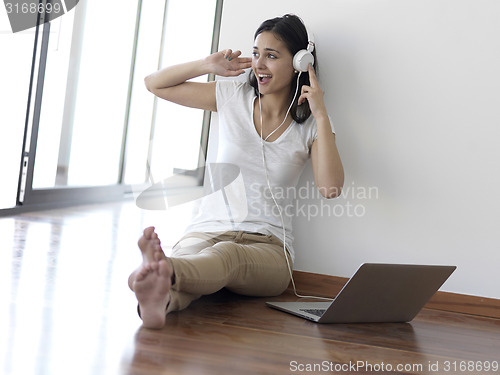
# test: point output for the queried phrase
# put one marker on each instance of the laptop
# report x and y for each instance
(376, 293)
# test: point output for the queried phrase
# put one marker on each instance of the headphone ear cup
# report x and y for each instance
(302, 59)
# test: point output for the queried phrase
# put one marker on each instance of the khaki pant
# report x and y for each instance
(251, 264)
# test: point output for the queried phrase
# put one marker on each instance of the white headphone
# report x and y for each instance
(304, 57)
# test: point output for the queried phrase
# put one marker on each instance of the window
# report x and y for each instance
(15, 70)
(98, 125)
(177, 134)
(85, 96)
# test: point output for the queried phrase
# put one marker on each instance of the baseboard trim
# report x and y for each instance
(465, 304)
(315, 284)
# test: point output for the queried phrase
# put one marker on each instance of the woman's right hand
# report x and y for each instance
(227, 63)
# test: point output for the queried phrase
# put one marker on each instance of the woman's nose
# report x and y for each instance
(259, 62)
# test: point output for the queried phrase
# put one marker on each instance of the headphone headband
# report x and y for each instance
(310, 41)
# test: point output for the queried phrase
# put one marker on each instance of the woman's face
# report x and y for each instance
(272, 64)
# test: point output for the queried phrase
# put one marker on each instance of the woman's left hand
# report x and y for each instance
(314, 95)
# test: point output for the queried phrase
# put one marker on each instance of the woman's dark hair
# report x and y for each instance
(291, 30)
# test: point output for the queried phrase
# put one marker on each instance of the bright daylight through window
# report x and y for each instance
(99, 126)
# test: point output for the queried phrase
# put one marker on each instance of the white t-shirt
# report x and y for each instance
(237, 196)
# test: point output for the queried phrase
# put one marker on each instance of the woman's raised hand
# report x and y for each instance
(314, 95)
(227, 63)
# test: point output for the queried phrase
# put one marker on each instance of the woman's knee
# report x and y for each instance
(263, 281)
(189, 246)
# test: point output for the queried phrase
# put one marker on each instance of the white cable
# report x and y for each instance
(271, 190)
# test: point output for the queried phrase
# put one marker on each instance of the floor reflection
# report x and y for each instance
(64, 291)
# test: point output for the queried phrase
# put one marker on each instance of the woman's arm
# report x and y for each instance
(173, 84)
(327, 166)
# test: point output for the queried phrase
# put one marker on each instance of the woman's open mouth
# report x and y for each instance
(264, 78)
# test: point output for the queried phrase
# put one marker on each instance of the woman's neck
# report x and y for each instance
(274, 118)
(275, 106)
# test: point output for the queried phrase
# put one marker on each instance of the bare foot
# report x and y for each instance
(149, 243)
(151, 250)
(151, 282)
(152, 289)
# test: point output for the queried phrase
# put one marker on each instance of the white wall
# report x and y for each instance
(413, 87)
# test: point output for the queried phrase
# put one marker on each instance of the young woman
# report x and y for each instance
(268, 128)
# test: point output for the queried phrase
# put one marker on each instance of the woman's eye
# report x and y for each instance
(269, 56)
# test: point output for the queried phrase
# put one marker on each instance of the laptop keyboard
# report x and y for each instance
(317, 312)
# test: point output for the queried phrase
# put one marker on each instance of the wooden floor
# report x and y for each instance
(65, 308)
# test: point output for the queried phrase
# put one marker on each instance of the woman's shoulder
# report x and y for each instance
(229, 89)
(232, 85)
(309, 129)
